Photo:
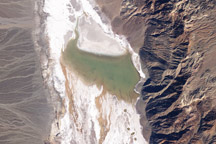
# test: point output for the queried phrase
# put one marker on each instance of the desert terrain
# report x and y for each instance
(25, 109)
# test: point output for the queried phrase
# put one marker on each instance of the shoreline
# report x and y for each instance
(53, 73)
(56, 80)
(48, 63)
(41, 44)
(107, 29)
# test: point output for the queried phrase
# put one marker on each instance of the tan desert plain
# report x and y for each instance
(115, 73)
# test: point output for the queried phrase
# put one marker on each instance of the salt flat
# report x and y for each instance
(81, 120)
(93, 39)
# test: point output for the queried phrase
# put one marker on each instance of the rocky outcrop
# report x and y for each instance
(176, 40)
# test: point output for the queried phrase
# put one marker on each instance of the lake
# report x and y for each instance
(116, 74)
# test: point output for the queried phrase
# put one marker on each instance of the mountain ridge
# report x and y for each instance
(176, 43)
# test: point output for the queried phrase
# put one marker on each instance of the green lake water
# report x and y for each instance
(116, 73)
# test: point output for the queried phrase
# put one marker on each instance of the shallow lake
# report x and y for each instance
(117, 74)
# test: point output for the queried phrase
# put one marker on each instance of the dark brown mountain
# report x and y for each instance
(176, 40)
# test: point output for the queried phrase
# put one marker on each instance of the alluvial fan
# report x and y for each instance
(25, 113)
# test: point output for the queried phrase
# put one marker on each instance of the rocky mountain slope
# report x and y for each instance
(176, 40)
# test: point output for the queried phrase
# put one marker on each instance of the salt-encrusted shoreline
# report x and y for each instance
(90, 6)
(61, 19)
(41, 42)
(41, 46)
(57, 25)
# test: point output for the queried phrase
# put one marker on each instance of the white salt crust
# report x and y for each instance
(86, 127)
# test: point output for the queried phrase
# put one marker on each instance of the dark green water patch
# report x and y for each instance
(116, 73)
